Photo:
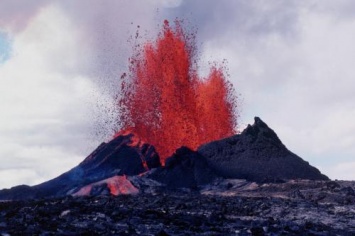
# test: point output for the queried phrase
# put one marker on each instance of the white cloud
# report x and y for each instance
(341, 171)
(57, 90)
(34, 164)
(43, 97)
(16, 14)
(10, 176)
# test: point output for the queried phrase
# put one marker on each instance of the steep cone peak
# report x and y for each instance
(259, 122)
(258, 125)
(261, 131)
(257, 154)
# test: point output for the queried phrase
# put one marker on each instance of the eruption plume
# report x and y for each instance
(163, 100)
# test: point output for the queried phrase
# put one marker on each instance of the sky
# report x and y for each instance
(291, 62)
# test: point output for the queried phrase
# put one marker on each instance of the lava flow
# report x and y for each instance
(166, 103)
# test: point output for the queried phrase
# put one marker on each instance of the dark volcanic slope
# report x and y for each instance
(185, 169)
(257, 154)
(124, 155)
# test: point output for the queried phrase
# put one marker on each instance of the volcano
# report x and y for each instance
(249, 184)
(124, 155)
(257, 154)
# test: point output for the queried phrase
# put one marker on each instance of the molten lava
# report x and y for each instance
(164, 101)
(117, 185)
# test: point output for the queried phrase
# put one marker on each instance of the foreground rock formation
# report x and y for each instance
(228, 207)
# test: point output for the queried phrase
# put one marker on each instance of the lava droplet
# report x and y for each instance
(166, 103)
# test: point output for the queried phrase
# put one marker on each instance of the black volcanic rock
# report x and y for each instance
(184, 169)
(124, 155)
(319, 208)
(17, 193)
(257, 154)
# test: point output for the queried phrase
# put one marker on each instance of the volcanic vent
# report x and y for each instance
(166, 103)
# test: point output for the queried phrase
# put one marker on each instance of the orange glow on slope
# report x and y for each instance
(117, 185)
(164, 101)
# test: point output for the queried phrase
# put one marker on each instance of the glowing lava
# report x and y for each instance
(164, 101)
(117, 185)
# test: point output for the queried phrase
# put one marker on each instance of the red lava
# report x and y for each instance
(164, 101)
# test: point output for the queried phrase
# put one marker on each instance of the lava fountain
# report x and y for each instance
(164, 101)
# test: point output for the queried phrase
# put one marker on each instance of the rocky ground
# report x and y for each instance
(227, 207)
(247, 184)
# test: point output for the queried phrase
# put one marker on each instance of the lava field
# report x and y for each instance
(178, 213)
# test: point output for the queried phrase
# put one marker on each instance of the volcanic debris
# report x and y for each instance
(247, 184)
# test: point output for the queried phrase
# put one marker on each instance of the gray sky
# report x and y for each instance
(291, 61)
